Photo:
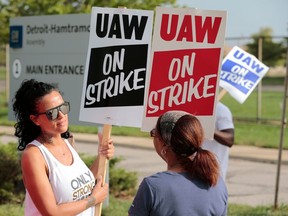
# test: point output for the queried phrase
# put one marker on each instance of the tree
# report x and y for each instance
(273, 53)
(15, 8)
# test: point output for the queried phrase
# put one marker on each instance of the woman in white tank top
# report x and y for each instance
(57, 181)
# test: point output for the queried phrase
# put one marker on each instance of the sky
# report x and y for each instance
(247, 17)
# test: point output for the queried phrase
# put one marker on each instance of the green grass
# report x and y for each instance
(267, 136)
(273, 80)
(271, 106)
(119, 207)
(258, 129)
(11, 210)
(245, 210)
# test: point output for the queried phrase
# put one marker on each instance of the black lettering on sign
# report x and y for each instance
(121, 27)
(116, 76)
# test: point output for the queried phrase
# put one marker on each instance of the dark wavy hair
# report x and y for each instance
(24, 105)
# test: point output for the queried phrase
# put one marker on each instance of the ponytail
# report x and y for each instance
(205, 167)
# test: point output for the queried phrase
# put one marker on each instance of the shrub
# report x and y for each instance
(11, 186)
(121, 182)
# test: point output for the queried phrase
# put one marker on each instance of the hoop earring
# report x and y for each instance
(163, 151)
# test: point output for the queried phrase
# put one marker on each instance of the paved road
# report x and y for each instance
(249, 182)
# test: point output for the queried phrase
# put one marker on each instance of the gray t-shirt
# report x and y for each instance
(170, 193)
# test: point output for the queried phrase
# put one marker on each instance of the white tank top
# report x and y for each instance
(69, 183)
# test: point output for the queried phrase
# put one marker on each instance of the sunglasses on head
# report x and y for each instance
(53, 113)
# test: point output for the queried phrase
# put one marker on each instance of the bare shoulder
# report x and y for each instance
(31, 151)
(32, 156)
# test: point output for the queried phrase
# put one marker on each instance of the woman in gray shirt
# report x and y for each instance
(192, 184)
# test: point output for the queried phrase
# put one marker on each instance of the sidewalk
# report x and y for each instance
(251, 153)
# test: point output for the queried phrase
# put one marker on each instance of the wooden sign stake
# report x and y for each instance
(102, 164)
(221, 94)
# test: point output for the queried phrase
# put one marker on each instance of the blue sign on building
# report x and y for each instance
(16, 36)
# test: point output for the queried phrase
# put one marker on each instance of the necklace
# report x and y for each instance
(45, 139)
